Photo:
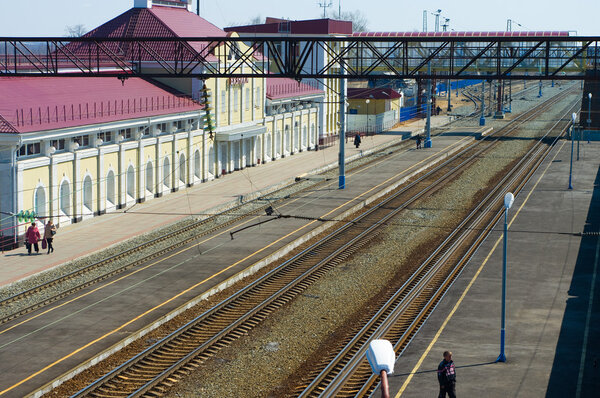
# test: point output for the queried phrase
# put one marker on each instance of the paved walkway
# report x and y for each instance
(77, 240)
(553, 298)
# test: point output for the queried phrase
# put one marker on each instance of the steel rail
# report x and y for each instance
(353, 354)
(148, 245)
(249, 319)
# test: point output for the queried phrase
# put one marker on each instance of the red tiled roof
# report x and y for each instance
(31, 104)
(461, 34)
(324, 26)
(157, 21)
(374, 93)
(279, 88)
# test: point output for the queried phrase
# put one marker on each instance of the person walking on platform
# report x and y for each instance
(419, 141)
(357, 140)
(49, 232)
(447, 376)
(32, 237)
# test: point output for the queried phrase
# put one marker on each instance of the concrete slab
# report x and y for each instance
(553, 322)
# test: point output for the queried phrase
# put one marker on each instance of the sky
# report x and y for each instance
(32, 18)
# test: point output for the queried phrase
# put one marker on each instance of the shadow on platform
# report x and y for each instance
(576, 366)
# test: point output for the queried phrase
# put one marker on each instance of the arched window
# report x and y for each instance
(268, 146)
(87, 195)
(277, 149)
(167, 173)
(39, 202)
(182, 171)
(197, 161)
(304, 143)
(149, 177)
(110, 188)
(65, 198)
(286, 140)
(131, 182)
(311, 141)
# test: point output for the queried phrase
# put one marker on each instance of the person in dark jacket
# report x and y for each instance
(357, 140)
(32, 238)
(419, 140)
(447, 376)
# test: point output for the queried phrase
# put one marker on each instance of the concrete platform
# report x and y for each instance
(553, 320)
(45, 344)
(77, 240)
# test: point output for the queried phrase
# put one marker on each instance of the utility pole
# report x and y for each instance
(427, 143)
(424, 20)
(437, 20)
(445, 25)
(340, 9)
(324, 5)
(342, 155)
(482, 118)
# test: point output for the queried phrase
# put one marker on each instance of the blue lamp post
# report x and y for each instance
(509, 199)
(589, 116)
(482, 118)
(573, 117)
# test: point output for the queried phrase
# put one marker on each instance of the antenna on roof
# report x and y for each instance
(324, 5)
(198, 7)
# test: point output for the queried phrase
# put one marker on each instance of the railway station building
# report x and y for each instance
(74, 148)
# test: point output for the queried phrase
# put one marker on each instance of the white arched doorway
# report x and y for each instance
(130, 183)
(197, 165)
(39, 202)
(304, 143)
(111, 199)
(211, 161)
(286, 140)
(182, 170)
(65, 203)
(277, 146)
(88, 199)
(311, 139)
(167, 173)
(268, 147)
(150, 178)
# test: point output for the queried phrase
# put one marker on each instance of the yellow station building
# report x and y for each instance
(76, 148)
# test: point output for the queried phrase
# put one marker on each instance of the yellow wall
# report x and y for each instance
(31, 178)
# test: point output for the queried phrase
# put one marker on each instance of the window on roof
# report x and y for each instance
(126, 133)
(82, 140)
(106, 136)
(29, 149)
(59, 145)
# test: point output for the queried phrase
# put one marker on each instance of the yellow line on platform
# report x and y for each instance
(464, 294)
(207, 279)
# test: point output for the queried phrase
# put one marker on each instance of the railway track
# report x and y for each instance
(154, 370)
(346, 373)
(183, 236)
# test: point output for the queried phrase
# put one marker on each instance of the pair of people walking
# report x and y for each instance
(33, 236)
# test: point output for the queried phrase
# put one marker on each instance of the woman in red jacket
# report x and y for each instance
(33, 236)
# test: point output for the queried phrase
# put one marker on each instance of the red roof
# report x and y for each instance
(279, 88)
(373, 93)
(323, 26)
(462, 34)
(31, 104)
(157, 21)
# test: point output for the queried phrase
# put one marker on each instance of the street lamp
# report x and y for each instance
(509, 199)
(589, 116)
(367, 101)
(573, 117)
(381, 357)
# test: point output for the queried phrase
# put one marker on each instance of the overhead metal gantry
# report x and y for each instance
(498, 58)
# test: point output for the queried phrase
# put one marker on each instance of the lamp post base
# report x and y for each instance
(482, 121)
(427, 143)
(501, 358)
(342, 182)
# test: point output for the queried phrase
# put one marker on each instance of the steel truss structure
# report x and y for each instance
(497, 58)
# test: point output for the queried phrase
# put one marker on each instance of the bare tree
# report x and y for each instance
(75, 30)
(359, 20)
(257, 20)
